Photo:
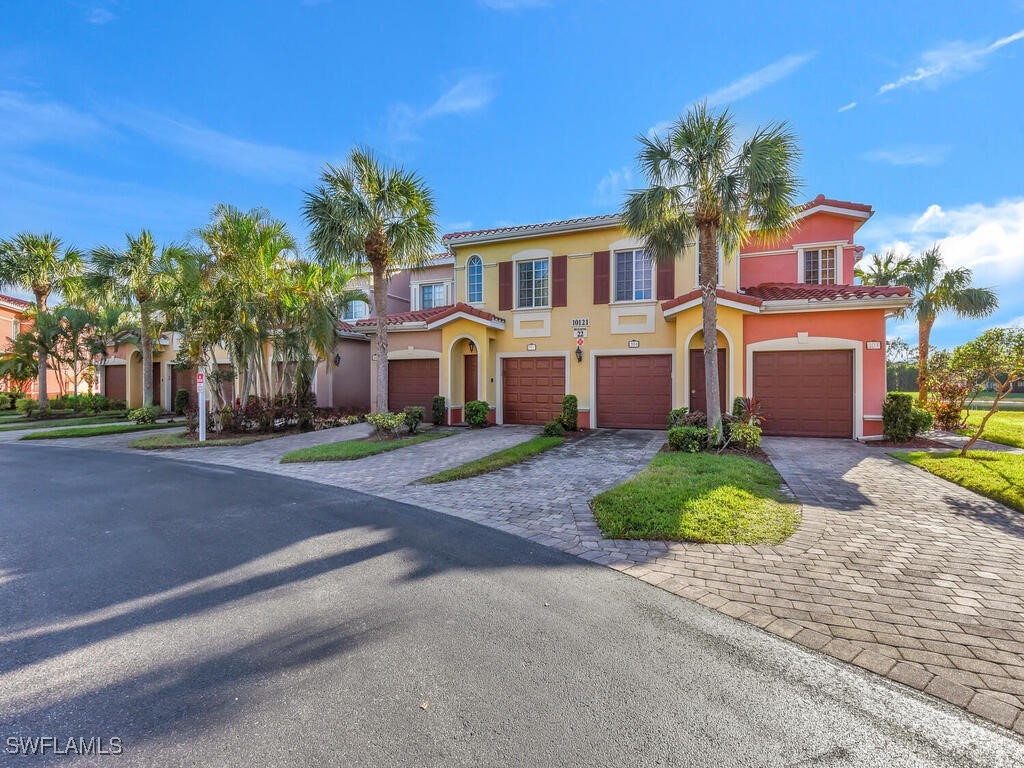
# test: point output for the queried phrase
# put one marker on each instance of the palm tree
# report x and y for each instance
(41, 264)
(936, 289)
(367, 214)
(136, 277)
(884, 269)
(703, 188)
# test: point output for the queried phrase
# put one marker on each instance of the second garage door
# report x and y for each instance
(532, 389)
(634, 391)
(806, 393)
(412, 382)
(114, 382)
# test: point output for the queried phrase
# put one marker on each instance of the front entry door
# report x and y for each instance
(470, 377)
(698, 396)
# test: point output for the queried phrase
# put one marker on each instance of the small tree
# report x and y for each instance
(953, 388)
(996, 358)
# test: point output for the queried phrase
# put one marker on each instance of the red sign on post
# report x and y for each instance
(200, 380)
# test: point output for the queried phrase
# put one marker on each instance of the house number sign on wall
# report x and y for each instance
(580, 322)
(874, 345)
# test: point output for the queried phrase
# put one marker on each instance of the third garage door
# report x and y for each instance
(412, 382)
(634, 391)
(532, 389)
(806, 393)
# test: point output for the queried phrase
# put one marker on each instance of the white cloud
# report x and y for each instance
(847, 107)
(908, 155)
(613, 186)
(950, 61)
(469, 94)
(99, 15)
(26, 122)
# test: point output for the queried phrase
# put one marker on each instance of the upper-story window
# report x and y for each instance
(432, 295)
(533, 282)
(820, 266)
(475, 280)
(15, 329)
(356, 309)
(633, 276)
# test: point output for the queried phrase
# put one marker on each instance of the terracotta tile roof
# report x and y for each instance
(429, 315)
(610, 218)
(822, 200)
(810, 292)
(14, 302)
(696, 293)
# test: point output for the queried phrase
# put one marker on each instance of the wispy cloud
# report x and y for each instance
(908, 155)
(469, 94)
(513, 5)
(847, 107)
(27, 121)
(100, 14)
(613, 186)
(949, 61)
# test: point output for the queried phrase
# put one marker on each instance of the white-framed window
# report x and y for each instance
(475, 280)
(533, 280)
(356, 309)
(634, 276)
(432, 295)
(15, 329)
(819, 265)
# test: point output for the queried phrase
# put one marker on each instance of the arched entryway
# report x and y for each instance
(463, 376)
(696, 399)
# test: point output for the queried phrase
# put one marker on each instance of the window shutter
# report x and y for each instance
(559, 281)
(665, 280)
(505, 285)
(602, 285)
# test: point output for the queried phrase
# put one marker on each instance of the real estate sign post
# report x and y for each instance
(201, 397)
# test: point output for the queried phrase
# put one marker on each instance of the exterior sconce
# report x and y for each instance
(337, 360)
(472, 347)
(579, 354)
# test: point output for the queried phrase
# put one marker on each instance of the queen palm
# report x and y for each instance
(41, 264)
(883, 269)
(936, 289)
(703, 187)
(135, 277)
(365, 214)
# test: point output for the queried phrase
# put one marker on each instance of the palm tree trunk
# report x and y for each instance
(924, 332)
(147, 359)
(708, 250)
(380, 306)
(41, 393)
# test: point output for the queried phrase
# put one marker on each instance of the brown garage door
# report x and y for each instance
(634, 391)
(184, 378)
(809, 394)
(532, 389)
(412, 382)
(114, 386)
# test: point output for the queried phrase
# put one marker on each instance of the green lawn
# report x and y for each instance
(1006, 427)
(999, 476)
(498, 460)
(41, 423)
(699, 497)
(182, 440)
(349, 450)
(107, 429)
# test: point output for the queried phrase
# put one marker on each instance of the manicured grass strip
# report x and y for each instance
(109, 429)
(182, 440)
(349, 450)
(1004, 427)
(999, 476)
(700, 497)
(494, 461)
(42, 423)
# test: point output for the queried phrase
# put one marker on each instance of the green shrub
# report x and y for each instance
(476, 413)
(437, 410)
(385, 424)
(744, 435)
(554, 428)
(570, 416)
(118, 405)
(413, 416)
(145, 415)
(689, 439)
(26, 405)
(899, 423)
(677, 417)
(5, 401)
(923, 420)
(182, 400)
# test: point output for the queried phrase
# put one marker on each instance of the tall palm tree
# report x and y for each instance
(41, 264)
(936, 289)
(136, 277)
(883, 269)
(365, 214)
(704, 188)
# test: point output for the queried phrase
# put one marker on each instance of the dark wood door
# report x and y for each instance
(184, 378)
(805, 393)
(413, 382)
(532, 389)
(114, 384)
(634, 391)
(157, 384)
(470, 372)
(698, 394)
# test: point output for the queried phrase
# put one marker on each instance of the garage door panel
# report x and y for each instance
(413, 382)
(115, 386)
(634, 391)
(532, 389)
(805, 393)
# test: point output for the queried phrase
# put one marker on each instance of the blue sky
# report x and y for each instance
(128, 114)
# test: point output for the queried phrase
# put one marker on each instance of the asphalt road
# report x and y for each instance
(209, 617)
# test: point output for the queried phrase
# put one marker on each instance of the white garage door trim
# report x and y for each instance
(809, 344)
(596, 353)
(499, 414)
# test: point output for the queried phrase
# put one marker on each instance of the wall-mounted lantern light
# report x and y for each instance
(337, 360)
(472, 347)
(579, 354)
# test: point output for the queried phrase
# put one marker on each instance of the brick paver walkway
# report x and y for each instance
(892, 569)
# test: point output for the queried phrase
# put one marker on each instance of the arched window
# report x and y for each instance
(475, 279)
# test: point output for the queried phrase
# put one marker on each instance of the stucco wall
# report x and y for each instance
(350, 380)
(779, 262)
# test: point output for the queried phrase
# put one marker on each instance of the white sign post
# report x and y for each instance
(201, 396)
